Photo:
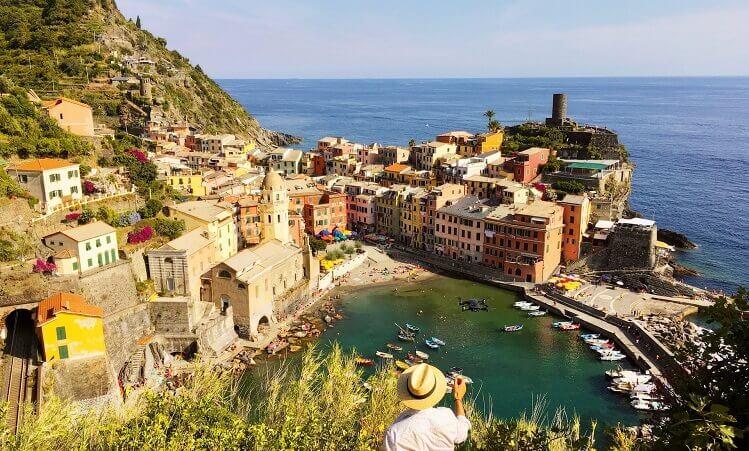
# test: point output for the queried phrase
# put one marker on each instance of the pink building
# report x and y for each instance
(525, 165)
(361, 205)
(459, 229)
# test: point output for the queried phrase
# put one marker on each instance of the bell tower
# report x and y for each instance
(274, 208)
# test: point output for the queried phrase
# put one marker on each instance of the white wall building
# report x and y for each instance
(83, 248)
(52, 181)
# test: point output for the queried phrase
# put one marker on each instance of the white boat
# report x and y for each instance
(639, 379)
(520, 304)
(645, 396)
(437, 341)
(623, 373)
(559, 324)
(643, 388)
(530, 308)
(641, 404)
(383, 355)
(590, 336)
(422, 355)
(612, 357)
(537, 313)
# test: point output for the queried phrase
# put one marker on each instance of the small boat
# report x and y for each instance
(645, 396)
(520, 304)
(530, 308)
(612, 357)
(422, 355)
(437, 341)
(401, 365)
(474, 305)
(405, 337)
(590, 336)
(619, 372)
(394, 347)
(537, 313)
(642, 404)
(456, 370)
(431, 344)
(361, 361)
(559, 324)
(383, 355)
(639, 379)
(513, 328)
(412, 328)
(571, 326)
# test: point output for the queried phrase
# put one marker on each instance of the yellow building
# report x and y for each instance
(216, 218)
(69, 328)
(188, 184)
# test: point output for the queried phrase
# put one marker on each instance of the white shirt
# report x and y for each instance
(433, 429)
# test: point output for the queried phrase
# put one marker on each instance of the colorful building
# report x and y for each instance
(51, 180)
(328, 213)
(426, 154)
(188, 184)
(470, 145)
(526, 164)
(69, 328)
(215, 217)
(576, 218)
(71, 115)
(459, 229)
(83, 248)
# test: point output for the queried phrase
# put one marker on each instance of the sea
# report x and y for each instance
(689, 138)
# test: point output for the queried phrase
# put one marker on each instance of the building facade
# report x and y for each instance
(52, 181)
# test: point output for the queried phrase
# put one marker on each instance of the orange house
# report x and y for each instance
(71, 115)
(576, 217)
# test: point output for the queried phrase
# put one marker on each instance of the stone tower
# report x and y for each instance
(274, 208)
(146, 89)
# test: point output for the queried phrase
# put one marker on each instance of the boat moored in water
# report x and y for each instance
(394, 347)
(406, 337)
(431, 344)
(412, 328)
(361, 361)
(559, 324)
(513, 328)
(571, 326)
(383, 355)
(437, 341)
(422, 355)
(537, 313)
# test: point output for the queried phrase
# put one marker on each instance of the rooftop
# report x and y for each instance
(576, 199)
(205, 210)
(191, 242)
(65, 302)
(41, 164)
(469, 207)
(250, 263)
(397, 167)
(87, 231)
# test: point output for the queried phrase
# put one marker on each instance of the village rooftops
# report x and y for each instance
(469, 207)
(54, 102)
(40, 165)
(87, 231)
(65, 302)
(190, 242)
(205, 210)
(539, 208)
(397, 168)
(573, 199)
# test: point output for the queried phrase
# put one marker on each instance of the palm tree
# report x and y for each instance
(489, 114)
(494, 125)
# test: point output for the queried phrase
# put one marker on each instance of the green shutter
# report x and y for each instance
(63, 350)
(90, 262)
(61, 333)
(114, 255)
(75, 266)
(99, 259)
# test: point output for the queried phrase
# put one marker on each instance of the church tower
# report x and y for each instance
(274, 208)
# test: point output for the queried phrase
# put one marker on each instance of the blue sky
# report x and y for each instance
(452, 38)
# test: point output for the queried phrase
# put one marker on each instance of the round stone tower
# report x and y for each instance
(559, 107)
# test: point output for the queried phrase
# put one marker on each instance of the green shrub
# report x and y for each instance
(170, 228)
(86, 216)
(151, 208)
(569, 186)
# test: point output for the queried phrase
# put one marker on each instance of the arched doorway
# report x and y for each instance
(225, 303)
(263, 325)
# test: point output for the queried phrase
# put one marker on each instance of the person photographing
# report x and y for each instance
(423, 426)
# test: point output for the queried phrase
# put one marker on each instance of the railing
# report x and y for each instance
(81, 202)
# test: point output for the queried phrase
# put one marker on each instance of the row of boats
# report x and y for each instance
(532, 309)
(604, 347)
(639, 387)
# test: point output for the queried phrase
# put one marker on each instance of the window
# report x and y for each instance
(60, 331)
(73, 190)
(88, 245)
(109, 239)
(54, 177)
(224, 274)
(63, 350)
(75, 266)
(99, 259)
(98, 242)
(24, 178)
(90, 262)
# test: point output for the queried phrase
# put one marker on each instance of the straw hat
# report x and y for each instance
(421, 386)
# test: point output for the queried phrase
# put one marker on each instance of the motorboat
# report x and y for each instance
(414, 358)
(612, 357)
(602, 347)
(361, 361)
(639, 379)
(437, 341)
(406, 337)
(642, 404)
(643, 388)
(412, 328)
(521, 304)
(537, 313)
(596, 341)
(530, 308)
(383, 355)
(559, 324)
(394, 347)
(571, 326)
(645, 396)
(513, 328)
(431, 344)
(590, 336)
(619, 372)
(422, 355)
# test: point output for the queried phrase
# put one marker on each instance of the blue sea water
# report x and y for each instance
(688, 136)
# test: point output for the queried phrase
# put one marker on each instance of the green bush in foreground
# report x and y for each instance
(323, 405)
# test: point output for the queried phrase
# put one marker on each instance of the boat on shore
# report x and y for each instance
(513, 328)
(437, 341)
(537, 313)
(383, 355)
(431, 344)
(394, 347)
(422, 355)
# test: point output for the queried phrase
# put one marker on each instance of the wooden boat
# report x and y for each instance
(414, 358)
(431, 344)
(559, 324)
(383, 355)
(400, 364)
(361, 361)
(571, 326)
(513, 328)
(437, 341)
(412, 328)
(537, 313)
(404, 337)
(394, 347)
(422, 355)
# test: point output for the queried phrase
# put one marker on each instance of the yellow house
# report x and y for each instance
(188, 184)
(217, 218)
(69, 328)
(71, 115)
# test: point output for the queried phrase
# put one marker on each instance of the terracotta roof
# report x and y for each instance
(397, 167)
(41, 164)
(59, 100)
(65, 302)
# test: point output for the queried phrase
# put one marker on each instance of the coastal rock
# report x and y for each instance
(676, 239)
(683, 271)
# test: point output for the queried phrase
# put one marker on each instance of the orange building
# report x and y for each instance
(524, 242)
(525, 166)
(576, 218)
(71, 115)
(328, 212)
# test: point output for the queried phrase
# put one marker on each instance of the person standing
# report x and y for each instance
(422, 426)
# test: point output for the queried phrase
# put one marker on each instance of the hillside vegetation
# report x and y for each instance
(73, 47)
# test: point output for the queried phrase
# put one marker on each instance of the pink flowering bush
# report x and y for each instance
(70, 217)
(44, 267)
(140, 236)
(138, 154)
(89, 187)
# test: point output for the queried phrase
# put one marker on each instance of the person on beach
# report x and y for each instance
(423, 426)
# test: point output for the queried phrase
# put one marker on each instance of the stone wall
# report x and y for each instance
(632, 248)
(122, 331)
(138, 265)
(217, 333)
(111, 288)
(170, 315)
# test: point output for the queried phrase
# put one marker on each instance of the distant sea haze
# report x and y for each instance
(689, 138)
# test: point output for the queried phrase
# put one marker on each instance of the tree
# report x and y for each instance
(137, 22)
(494, 125)
(317, 245)
(170, 228)
(151, 208)
(569, 186)
(411, 142)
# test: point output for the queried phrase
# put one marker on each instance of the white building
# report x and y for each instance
(52, 181)
(286, 161)
(83, 248)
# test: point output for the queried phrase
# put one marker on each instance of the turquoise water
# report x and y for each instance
(509, 369)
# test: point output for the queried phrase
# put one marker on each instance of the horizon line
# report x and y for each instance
(486, 78)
